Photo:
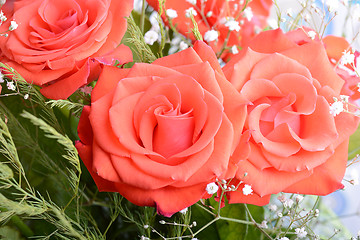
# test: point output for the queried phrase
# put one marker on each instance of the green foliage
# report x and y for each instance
(137, 42)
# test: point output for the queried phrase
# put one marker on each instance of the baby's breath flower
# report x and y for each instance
(347, 58)
(283, 238)
(312, 34)
(248, 14)
(289, 12)
(146, 226)
(282, 198)
(332, 5)
(184, 211)
(209, 14)
(232, 24)
(336, 108)
(190, 11)
(13, 25)
(212, 188)
(211, 35)
(300, 232)
(247, 190)
(272, 23)
(264, 224)
(171, 13)
(299, 198)
(150, 37)
(2, 17)
(1, 77)
(11, 86)
(193, 2)
(26, 96)
(144, 238)
(288, 203)
(234, 50)
(183, 45)
(272, 207)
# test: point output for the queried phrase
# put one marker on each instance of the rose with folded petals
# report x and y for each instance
(335, 49)
(216, 17)
(296, 145)
(159, 133)
(60, 45)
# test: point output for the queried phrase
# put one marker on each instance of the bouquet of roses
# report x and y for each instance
(181, 119)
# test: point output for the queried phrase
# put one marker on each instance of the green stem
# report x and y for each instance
(24, 229)
(142, 17)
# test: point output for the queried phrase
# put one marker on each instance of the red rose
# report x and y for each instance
(213, 14)
(159, 133)
(60, 45)
(335, 48)
(296, 145)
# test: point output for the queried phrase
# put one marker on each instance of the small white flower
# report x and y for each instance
(347, 58)
(288, 203)
(171, 13)
(150, 37)
(1, 77)
(283, 238)
(282, 198)
(344, 98)
(26, 96)
(279, 214)
(312, 34)
(211, 35)
(300, 232)
(194, 239)
(247, 190)
(264, 224)
(144, 238)
(336, 108)
(248, 14)
(212, 188)
(11, 86)
(13, 25)
(234, 50)
(299, 198)
(289, 12)
(273, 23)
(317, 212)
(332, 5)
(232, 24)
(146, 226)
(354, 174)
(273, 207)
(3, 18)
(190, 11)
(86, 89)
(183, 45)
(184, 211)
(209, 14)
(193, 2)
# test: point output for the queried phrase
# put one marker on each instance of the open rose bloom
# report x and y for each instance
(60, 45)
(296, 145)
(159, 133)
(219, 15)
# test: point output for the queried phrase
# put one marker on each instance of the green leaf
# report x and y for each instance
(231, 230)
(202, 218)
(354, 144)
(7, 232)
(258, 215)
